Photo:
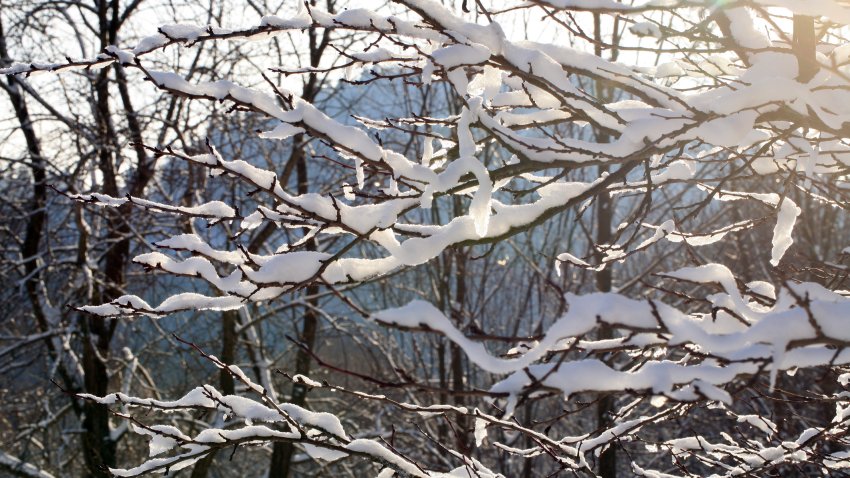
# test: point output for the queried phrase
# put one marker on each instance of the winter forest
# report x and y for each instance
(424, 238)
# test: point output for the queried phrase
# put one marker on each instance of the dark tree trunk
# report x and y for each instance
(805, 47)
(99, 446)
(37, 215)
(457, 355)
(604, 218)
(605, 406)
(281, 462)
(225, 379)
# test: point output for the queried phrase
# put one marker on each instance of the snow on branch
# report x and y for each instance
(689, 150)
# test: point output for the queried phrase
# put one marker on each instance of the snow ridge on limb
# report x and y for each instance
(793, 335)
(322, 434)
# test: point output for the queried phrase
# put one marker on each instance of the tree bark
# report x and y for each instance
(225, 379)
(281, 462)
(38, 214)
(457, 355)
(99, 447)
(805, 47)
(605, 406)
(604, 217)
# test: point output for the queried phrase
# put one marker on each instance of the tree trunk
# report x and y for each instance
(281, 462)
(457, 355)
(225, 379)
(805, 47)
(605, 407)
(37, 214)
(604, 217)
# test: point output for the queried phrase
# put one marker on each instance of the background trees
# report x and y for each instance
(425, 238)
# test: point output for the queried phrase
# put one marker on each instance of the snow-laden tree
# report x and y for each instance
(697, 125)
